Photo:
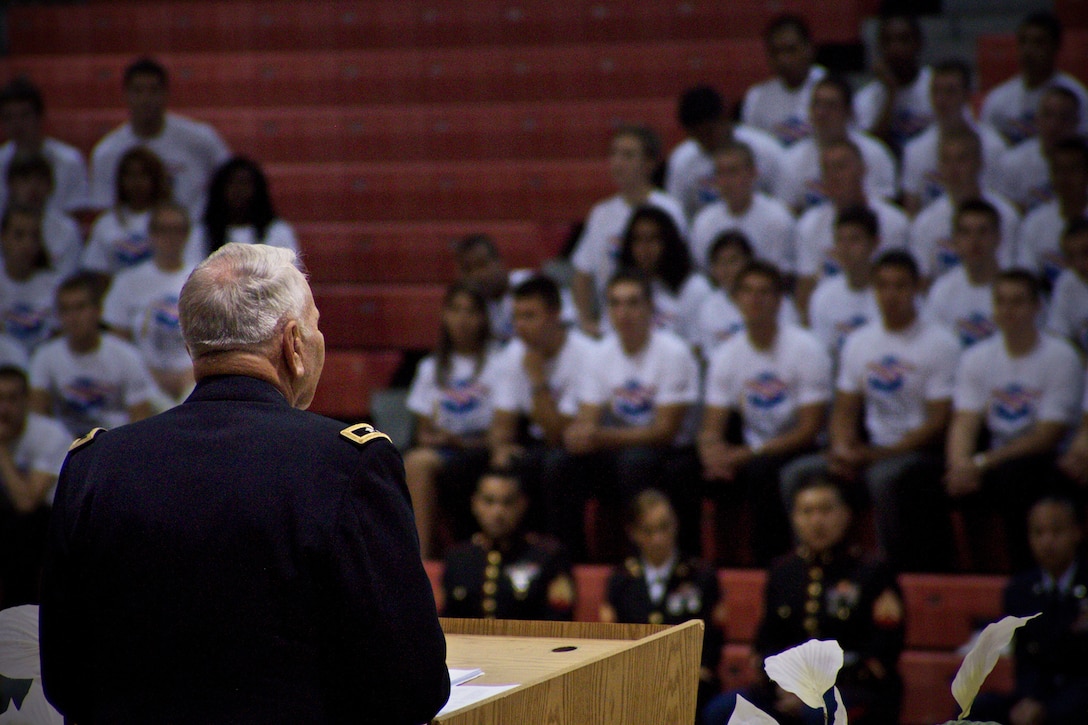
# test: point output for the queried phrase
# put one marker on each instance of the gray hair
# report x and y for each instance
(239, 297)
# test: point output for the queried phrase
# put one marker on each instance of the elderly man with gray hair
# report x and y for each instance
(237, 559)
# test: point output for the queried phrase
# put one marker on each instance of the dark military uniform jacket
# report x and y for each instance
(839, 595)
(526, 577)
(691, 592)
(1051, 650)
(235, 560)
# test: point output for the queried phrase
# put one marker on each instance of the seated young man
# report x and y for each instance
(504, 571)
(1024, 387)
(778, 380)
(1051, 674)
(827, 590)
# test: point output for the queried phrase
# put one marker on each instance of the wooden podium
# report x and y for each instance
(577, 673)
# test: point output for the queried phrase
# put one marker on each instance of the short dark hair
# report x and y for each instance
(647, 137)
(41, 261)
(737, 147)
(468, 243)
(1045, 21)
(22, 90)
(1076, 228)
(699, 105)
(788, 21)
(898, 259)
(840, 84)
(861, 216)
(979, 206)
(958, 66)
(1073, 145)
(94, 284)
(506, 474)
(1060, 500)
(25, 164)
(146, 66)
(14, 372)
(634, 276)
(1024, 278)
(765, 269)
(820, 479)
(540, 287)
(730, 238)
(898, 10)
(645, 500)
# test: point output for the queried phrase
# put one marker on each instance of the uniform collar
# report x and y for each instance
(236, 387)
(1062, 584)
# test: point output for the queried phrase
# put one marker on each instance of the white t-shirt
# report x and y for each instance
(630, 388)
(564, 373)
(1017, 392)
(964, 309)
(42, 448)
(920, 161)
(1068, 316)
(1025, 175)
(1039, 246)
(92, 389)
(816, 235)
(912, 110)
(718, 320)
(780, 111)
(689, 173)
(26, 307)
(898, 373)
(464, 405)
(801, 171)
(190, 150)
(278, 234)
(835, 310)
(13, 353)
(63, 241)
(69, 174)
(768, 224)
(1011, 107)
(598, 248)
(677, 312)
(118, 240)
(767, 387)
(144, 301)
(931, 235)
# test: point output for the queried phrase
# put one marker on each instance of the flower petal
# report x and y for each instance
(745, 713)
(808, 670)
(981, 660)
(840, 709)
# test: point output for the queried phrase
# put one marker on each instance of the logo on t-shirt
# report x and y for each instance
(975, 327)
(1014, 403)
(765, 390)
(888, 374)
(462, 397)
(946, 257)
(25, 324)
(906, 123)
(633, 402)
(1053, 265)
(83, 395)
(792, 129)
(843, 328)
(131, 249)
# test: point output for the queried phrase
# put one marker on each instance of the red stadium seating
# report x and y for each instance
(348, 379)
(380, 316)
(140, 27)
(927, 685)
(997, 57)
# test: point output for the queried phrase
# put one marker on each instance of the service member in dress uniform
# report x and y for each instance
(1051, 670)
(661, 586)
(505, 572)
(828, 590)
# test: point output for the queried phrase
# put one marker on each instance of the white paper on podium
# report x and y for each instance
(458, 677)
(464, 695)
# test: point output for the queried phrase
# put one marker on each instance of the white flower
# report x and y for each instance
(840, 709)
(745, 713)
(981, 660)
(807, 670)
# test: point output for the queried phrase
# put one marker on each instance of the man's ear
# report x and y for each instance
(291, 342)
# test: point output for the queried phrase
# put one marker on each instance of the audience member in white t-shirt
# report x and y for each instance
(1024, 387)
(630, 430)
(28, 283)
(1025, 167)
(895, 377)
(689, 172)
(1039, 246)
(780, 105)
(191, 150)
(895, 106)
(1011, 106)
(763, 220)
(962, 299)
(652, 245)
(831, 113)
(960, 165)
(633, 154)
(30, 181)
(88, 378)
(119, 238)
(778, 381)
(22, 111)
(451, 400)
(842, 172)
(950, 94)
(240, 209)
(1074, 462)
(1068, 313)
(142, 305)
(844, 302)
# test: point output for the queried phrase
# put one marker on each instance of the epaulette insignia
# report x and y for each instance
(80, 442)
(362, 433)
(634, 569)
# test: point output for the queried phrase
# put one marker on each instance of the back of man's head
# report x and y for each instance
(239, 297)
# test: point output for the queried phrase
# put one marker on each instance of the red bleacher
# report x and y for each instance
(349, 378)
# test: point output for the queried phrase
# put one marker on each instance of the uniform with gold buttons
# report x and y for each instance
(525, 577)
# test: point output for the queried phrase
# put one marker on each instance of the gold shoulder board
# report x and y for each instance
(80, 442)
(363, 433)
